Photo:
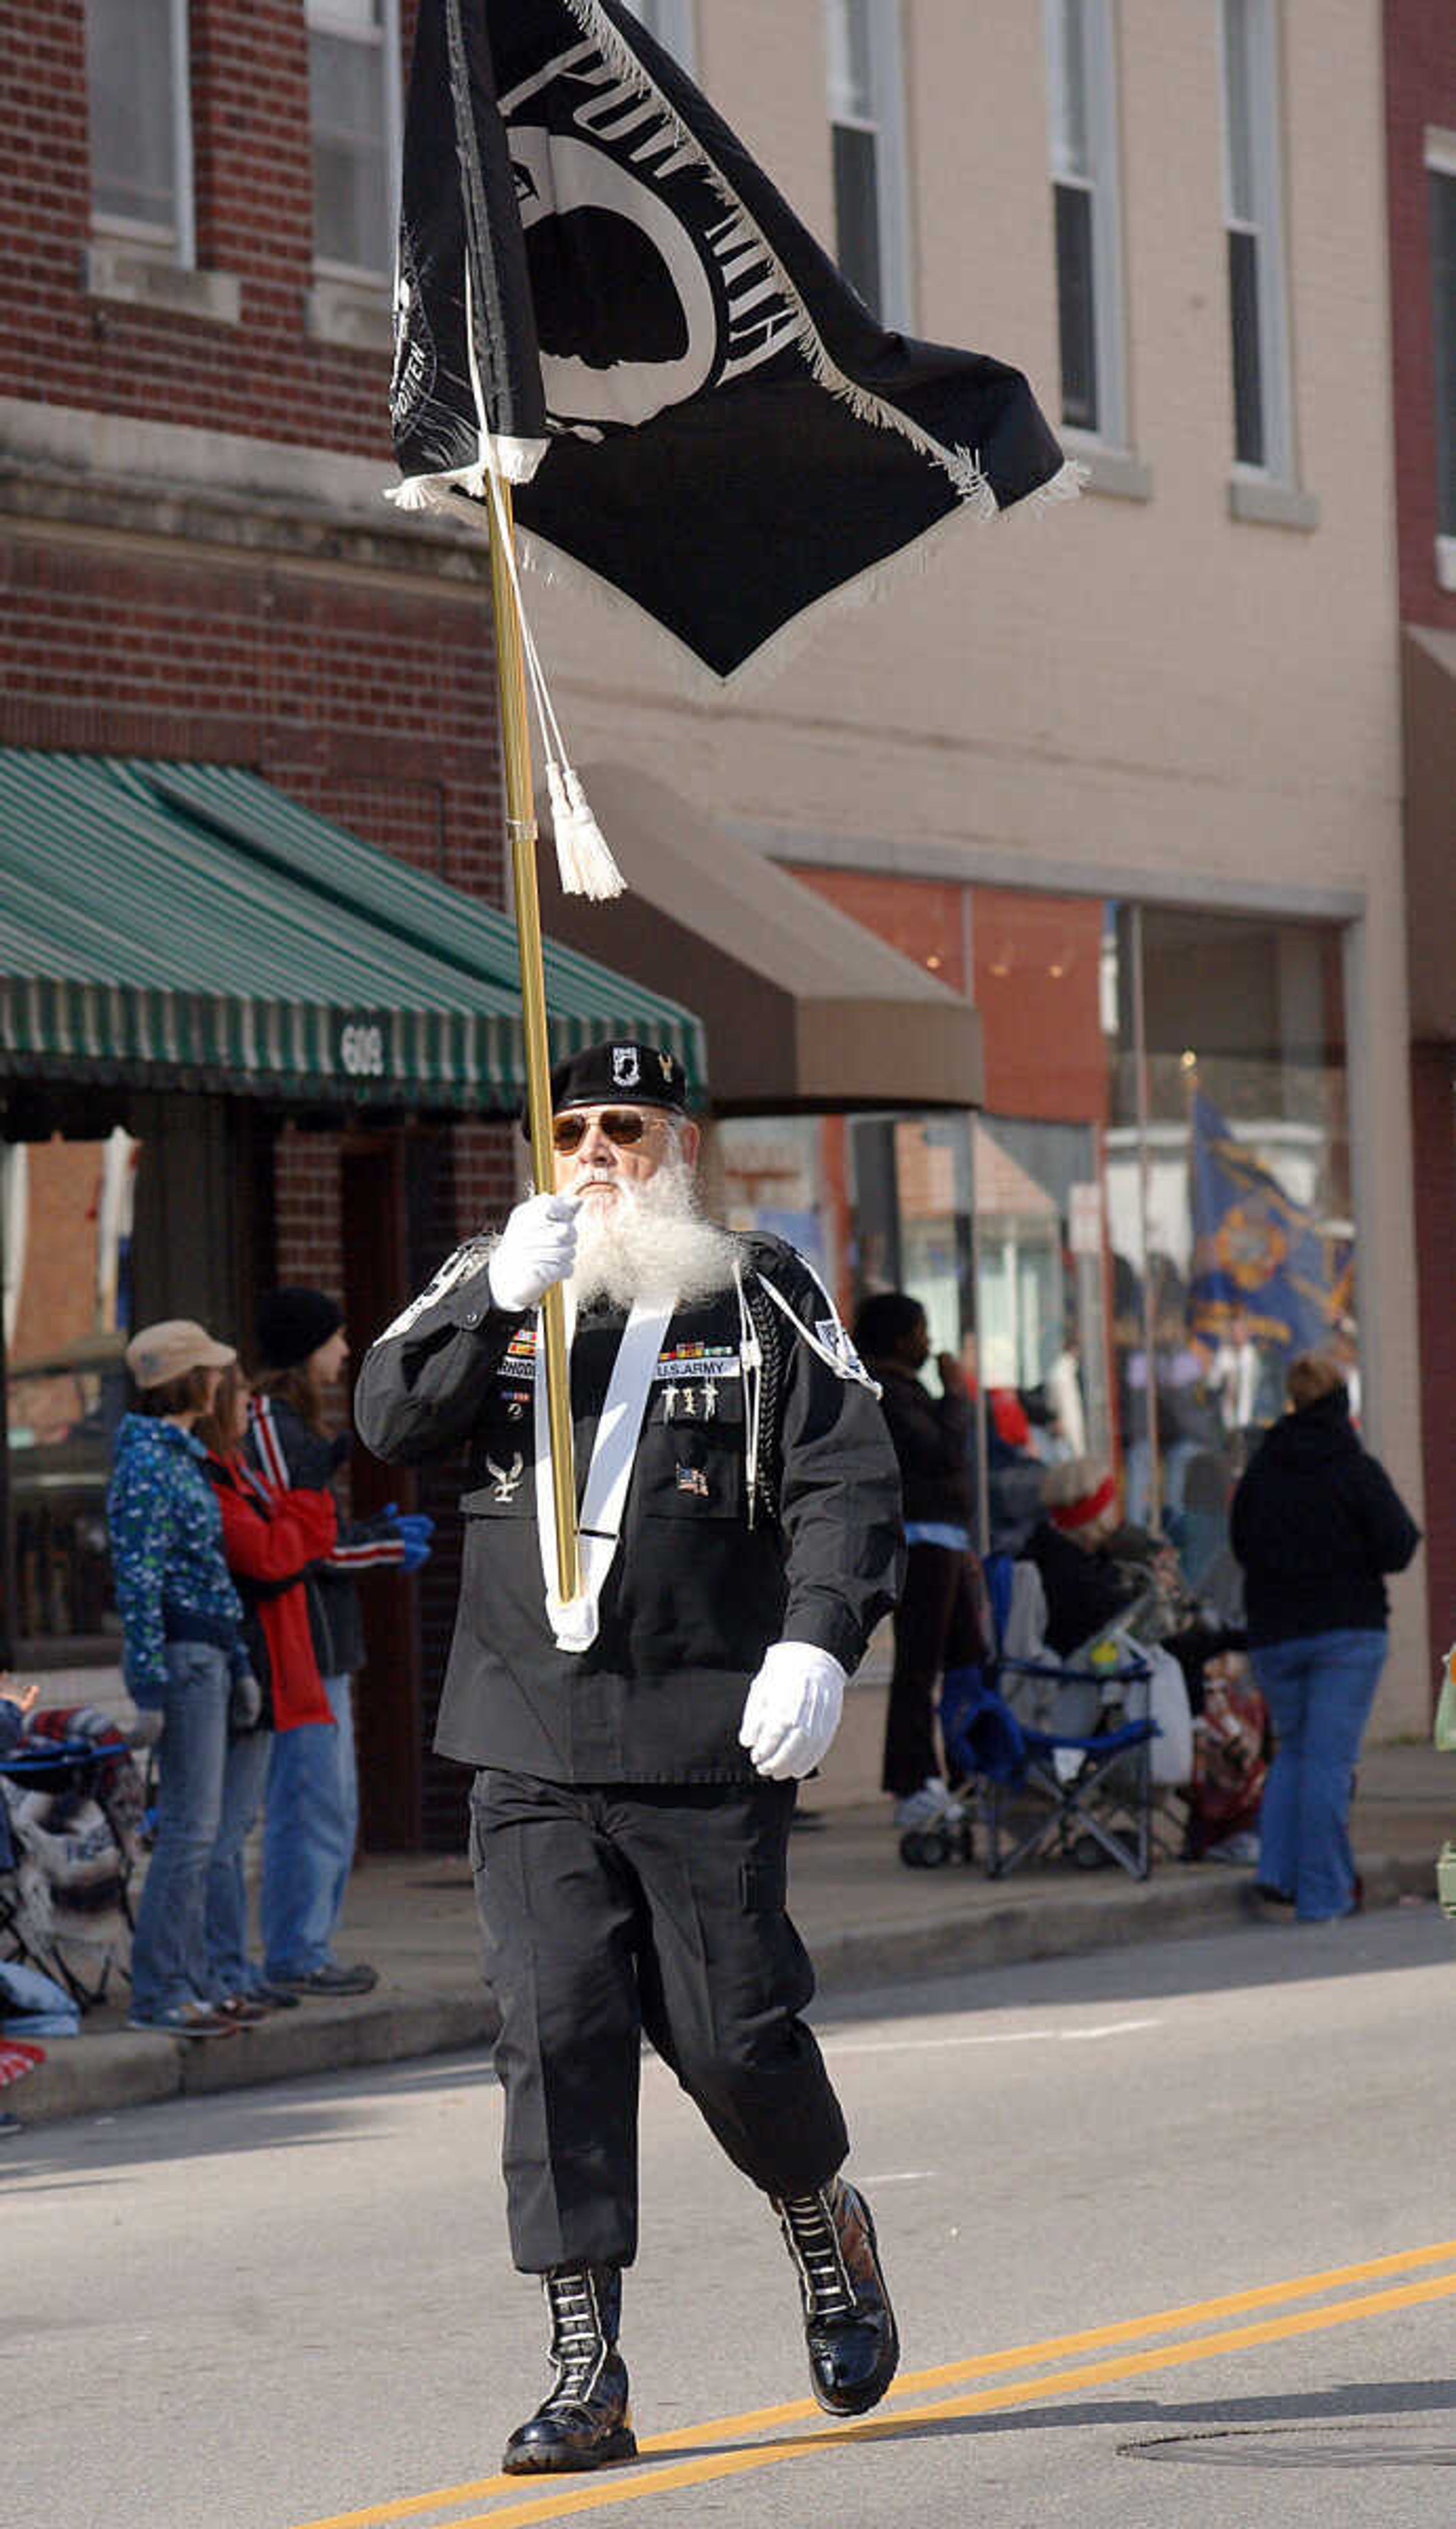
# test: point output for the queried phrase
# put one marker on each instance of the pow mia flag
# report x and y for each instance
(696, 408)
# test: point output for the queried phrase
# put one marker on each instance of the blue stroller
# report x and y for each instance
(1065, 1738)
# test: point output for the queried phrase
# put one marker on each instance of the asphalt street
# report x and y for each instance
(1169, 2230)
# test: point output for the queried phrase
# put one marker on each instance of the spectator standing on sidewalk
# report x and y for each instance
(270, 1539)
(312, 1822)
(182, 1654)
(1317, 1524)
(936, 1622)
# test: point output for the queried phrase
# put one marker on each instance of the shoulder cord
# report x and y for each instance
(833, 1360)
(761, 1351)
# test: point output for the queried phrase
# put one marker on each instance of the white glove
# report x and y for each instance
(538, 1247)
(793, 1710)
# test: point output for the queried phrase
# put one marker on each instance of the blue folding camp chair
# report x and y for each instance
(1083, 1767)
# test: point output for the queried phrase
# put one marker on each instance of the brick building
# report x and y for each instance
(1421, 165)
(197, 570)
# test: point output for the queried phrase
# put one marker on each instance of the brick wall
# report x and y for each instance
(1420, 89)
(253, 200)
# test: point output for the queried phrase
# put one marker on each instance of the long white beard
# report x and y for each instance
(650, 1243)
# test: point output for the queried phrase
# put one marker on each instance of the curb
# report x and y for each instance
(1048, 1926)
(101, 2073)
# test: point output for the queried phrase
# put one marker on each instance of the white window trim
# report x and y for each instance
(1445, 561)
(179, 242)
(321, 19)
(1266, 168)
(676, 31)
(1105, 187)
(887, 123)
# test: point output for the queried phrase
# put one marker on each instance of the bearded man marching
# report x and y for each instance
(637, 1751)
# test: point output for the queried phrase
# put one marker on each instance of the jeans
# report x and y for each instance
(309, 1837)
(1319, 1688)
(230, 1971)
(169, 1954)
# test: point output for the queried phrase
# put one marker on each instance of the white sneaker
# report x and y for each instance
(932, 1806)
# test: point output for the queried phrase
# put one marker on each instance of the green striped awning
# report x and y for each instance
(186, 925)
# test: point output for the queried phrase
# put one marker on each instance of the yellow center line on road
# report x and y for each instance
(718, 2462)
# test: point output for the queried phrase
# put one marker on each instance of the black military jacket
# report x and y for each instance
(697, 1591)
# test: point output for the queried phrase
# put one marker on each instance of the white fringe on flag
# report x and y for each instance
(958, 462)
(515, 459)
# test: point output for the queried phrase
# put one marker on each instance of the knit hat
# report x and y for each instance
(293, 1322)
(1078, 1492)
(614, 1074)
(170, 1349)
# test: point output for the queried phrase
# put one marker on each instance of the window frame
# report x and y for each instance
(888, 122)
(178, 239)
(1266, 225)
(1439, 158)
(673, 23)
(320, 19)
(1113, 429)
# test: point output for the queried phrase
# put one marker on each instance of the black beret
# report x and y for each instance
(617, 1073)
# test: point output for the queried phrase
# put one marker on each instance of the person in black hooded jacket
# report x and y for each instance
(1317, 1524)
(936, 1622)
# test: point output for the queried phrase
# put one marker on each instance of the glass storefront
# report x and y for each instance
(1149, 1218)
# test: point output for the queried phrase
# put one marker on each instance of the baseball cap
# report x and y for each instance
(173, 1347)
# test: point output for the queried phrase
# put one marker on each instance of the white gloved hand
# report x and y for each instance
(793, 1710)
(538, 1247)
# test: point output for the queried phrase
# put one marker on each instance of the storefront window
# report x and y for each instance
(66, 1210)
(1160, 1175)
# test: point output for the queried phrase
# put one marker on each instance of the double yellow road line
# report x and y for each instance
(696, 2454)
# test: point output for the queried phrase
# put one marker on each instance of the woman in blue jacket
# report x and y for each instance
(182, 1654)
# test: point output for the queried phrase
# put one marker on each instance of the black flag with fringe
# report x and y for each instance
(696, 408)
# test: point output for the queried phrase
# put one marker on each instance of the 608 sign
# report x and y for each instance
(361, 1049)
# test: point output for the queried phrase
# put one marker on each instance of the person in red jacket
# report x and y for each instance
(271, 1538)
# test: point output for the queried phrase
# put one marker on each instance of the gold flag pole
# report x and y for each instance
(521, 827)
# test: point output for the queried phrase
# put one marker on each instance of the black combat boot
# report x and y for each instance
(848, 2324)
(585, 2421)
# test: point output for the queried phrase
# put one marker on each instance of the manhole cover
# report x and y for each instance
(1419, 2442)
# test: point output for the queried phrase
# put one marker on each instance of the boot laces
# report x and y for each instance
(814, 2237)
(579, 2342)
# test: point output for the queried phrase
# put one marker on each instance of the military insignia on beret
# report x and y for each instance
(627, 1067)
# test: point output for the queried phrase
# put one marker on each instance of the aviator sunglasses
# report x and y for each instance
(622, 1127)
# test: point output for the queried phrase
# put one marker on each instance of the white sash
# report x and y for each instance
(613, 1455)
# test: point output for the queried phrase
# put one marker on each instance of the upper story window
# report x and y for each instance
(1440, 167)
(1082, 113)
(353, 91)
(866, 120)
(140, 122)
(671, 21)
(1253, 190)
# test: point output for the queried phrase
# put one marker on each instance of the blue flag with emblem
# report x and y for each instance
(1256, 1253)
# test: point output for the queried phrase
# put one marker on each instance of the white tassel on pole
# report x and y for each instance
(583, 853)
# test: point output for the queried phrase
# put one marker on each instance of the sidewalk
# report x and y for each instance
(866, 1918)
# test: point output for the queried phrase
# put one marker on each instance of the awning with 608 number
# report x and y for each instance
(186, 925)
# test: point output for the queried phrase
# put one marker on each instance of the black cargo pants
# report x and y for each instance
(612, 1909)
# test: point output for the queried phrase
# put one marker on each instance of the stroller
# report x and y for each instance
(1069, 1739)
(72, 1799)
